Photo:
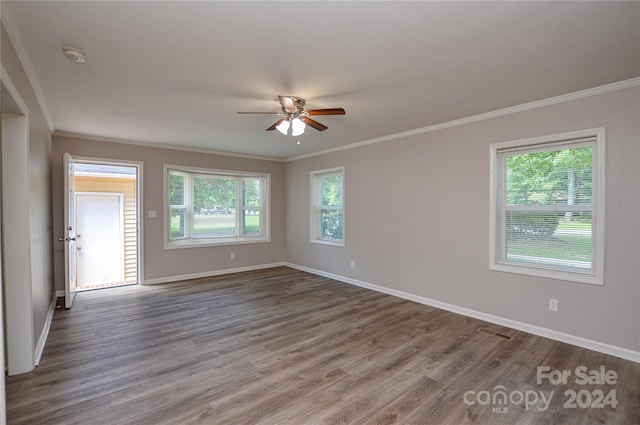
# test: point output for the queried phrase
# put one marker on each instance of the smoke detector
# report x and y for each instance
(74, 55)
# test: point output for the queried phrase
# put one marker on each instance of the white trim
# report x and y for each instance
(105, 175)
(623, 353)
(599, 208)
(539, 270)
(164, 146)
(59, 294)
(108, 161)
(551, 139)
(481, 117)
(204, 242)
(140, 220)
(215, 171)
(328, 242)
(45, 331)
(29, 70)
(19, 344)
(13, 91)
(212, 273)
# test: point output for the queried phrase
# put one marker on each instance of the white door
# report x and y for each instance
(99, 233)
(69, 231)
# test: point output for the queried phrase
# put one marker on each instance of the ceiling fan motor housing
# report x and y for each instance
(298, 107)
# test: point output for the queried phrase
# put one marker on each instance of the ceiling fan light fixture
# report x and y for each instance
(297, 127)
(295, 117)
(283, 127)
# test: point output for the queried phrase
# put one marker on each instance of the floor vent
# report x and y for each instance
(498, 334)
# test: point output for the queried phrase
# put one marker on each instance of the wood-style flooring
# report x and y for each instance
(280, 346)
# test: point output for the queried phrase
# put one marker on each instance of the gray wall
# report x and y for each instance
(39, 190)
(417, 220)
(158, 262)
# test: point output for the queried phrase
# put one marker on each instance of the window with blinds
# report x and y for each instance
(327, 206)
(547, 206)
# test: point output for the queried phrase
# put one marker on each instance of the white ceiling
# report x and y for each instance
(176, 73)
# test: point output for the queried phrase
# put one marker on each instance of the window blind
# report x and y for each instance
(545, 200)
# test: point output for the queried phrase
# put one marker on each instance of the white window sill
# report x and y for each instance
(548, 273)
(325, 242)
(198, 243)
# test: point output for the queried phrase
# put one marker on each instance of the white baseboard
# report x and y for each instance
(60, 294)
(623, 353)
(210, 273)
(45, 331)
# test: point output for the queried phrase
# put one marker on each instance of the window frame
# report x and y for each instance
(188, 241)
(544, 143)
(316, 209)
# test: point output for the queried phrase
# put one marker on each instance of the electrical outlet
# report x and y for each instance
(152, 214)
(353, 264)
(553, 304)
(232, 256)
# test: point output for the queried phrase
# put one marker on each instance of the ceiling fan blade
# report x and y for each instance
(329, 111)
(268, 113)
(312, 123)
(275, 124)
(287, 103)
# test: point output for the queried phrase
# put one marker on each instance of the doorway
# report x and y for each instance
(106, 224)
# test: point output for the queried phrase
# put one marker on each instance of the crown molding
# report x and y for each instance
(164, 146)
(23, 57)
(481, 117)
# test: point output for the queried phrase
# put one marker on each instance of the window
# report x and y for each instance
(327, 206)
(547, 206)
(210, 207)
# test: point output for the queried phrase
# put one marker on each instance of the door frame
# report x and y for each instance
(18, 341)
(69, 233)
(139, 165)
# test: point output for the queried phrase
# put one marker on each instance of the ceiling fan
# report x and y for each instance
(295, 117)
